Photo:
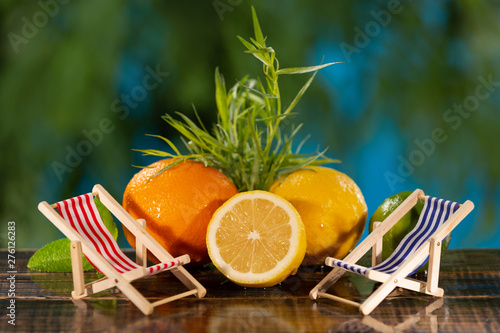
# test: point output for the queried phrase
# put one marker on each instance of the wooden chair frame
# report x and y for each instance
(112, 278)
(431, 247)
(425, 315)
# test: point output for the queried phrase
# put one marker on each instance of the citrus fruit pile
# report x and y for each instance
(287, 208)
(255, 238)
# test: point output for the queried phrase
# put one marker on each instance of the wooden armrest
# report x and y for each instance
(377, 247)
(141, 252)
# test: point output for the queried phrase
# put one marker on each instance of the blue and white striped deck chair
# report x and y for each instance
(438, 218)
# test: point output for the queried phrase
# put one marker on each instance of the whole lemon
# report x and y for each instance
(177, 205)
(332, 209)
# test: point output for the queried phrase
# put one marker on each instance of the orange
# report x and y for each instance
(332, 209)
(177, 205)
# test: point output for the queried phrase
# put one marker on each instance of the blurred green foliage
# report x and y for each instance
(78, 76)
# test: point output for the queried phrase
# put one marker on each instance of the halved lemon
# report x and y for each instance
(256, 239)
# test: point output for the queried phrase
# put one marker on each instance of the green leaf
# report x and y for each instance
(300, 93)
(170, 165)
(264, 50)
(257, 91)
(248, 45)
(199, 119)
(155, 152)
(256, 26)
(253, 48)
(302, 70)
(221, 98)
(56, 256)
(167, 141)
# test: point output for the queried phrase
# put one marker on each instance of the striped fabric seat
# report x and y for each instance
(82, 214)
(435, 212)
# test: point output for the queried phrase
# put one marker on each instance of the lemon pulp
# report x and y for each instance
(256, 239)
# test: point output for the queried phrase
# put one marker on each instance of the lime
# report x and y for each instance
(394, 236)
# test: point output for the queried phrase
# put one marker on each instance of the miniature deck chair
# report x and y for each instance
(438, 218)
(79, 220)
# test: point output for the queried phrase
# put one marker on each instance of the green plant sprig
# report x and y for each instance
(248, 143)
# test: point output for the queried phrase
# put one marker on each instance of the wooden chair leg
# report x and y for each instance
(377, 296)
(434, 262)
(141, 250)
(135, 296)
(420, 287)
(77, 268)
(327, 282)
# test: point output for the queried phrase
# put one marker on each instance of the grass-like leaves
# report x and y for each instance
(248, 143)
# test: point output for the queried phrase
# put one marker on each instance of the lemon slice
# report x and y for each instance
(256, 239)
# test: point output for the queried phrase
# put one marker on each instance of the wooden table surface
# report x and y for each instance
(471, 279)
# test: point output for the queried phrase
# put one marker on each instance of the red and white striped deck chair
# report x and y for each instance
(79, 220)
(423, 243)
